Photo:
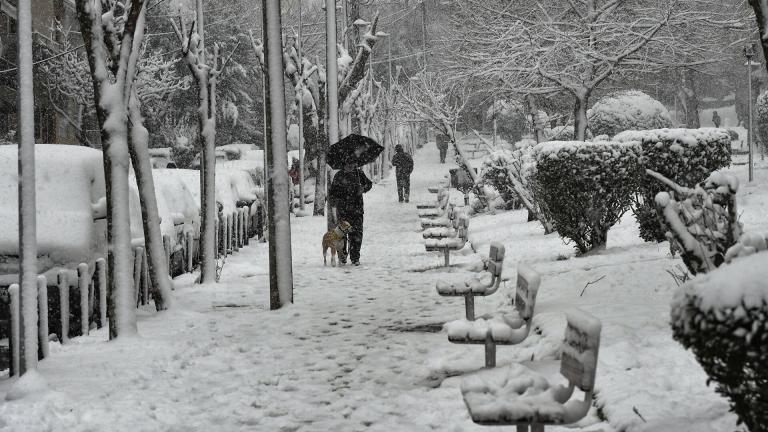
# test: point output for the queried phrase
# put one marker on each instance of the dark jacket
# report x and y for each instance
(347, 189)
(403, 163)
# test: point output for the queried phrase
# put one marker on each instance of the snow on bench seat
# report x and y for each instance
(478, 285)
(502, 328)
(439, 232)
(511, 394)
(452, 243)
(516, 395)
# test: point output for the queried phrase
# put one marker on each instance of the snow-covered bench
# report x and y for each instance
(434, 210)
(502, 328)
(447, 228)
(445, 221)
(517, 395)
(477, 286)
(446, 245)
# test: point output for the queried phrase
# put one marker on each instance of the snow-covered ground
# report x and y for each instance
(363, 349)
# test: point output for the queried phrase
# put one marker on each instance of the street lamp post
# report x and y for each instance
(749, 52)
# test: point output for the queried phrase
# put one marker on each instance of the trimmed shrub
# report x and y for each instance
(685, 156)
(627, 110)
(761, 110)
(723, 318)
(563, 133)
(586, 187)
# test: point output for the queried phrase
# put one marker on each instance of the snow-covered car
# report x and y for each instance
(179, 214)
(71, 229)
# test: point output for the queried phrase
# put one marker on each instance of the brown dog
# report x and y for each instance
(334, 240)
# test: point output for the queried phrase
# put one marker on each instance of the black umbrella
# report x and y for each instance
(361, 150)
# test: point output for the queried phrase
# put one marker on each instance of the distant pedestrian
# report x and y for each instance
(716, 119)
(442, 145)
(403, 163)
(346, 196)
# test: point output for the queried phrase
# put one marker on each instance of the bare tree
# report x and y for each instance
(575, 46)
(308, 78)
(112, 33)
(205, 74)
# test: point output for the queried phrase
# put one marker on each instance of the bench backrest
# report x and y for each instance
(528, 281)
(579, 353)
(496, 259)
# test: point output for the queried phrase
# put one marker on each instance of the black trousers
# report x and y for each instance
(443, 153)
(354, 237)
(403, 186)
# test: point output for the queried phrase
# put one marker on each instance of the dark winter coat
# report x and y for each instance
(403, 163)
(346, 192)
(441, 141)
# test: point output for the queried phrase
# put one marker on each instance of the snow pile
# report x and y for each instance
(627, 110)
(504, 328)
(69, 179)
(31, 383)
(723, 318)
(510, 394)
(685, 156)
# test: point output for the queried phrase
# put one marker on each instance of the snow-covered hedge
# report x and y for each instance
(723, 318)
(627, 110)
(761, 108)
(494, 172)
(685, 156)
(587, 186)
(701, 223)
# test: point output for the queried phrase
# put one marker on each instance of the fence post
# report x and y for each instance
(228, 235)
(236, 230)
(137, 273)
(101, 282)
(63, 282)
(145, 281)
(14, 343)
(190, 251)
(83, 280)
(167, 247)
(42, 316)
(247, 219)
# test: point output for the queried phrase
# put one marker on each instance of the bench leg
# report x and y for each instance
(490, 352)
(447, 257)
(469, 304)
(522, 428)
(537, 427)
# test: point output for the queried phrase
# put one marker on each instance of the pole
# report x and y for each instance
(280, 260)
(301, 114)
(27, 217)
(749, 132)
(424, 32)
(332, 82)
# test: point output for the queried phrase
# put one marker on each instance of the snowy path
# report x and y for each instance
(353, 353)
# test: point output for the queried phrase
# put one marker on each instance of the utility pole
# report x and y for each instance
(332, 83)
(27, 219)
(424, 32)
(749, 52)
(280, 260)
(301, 114)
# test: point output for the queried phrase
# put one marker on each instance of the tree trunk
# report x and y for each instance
(112, 118)
(580, 116)
(691, 99)
(533, 111)
(153, 238)
(207, 188)
(280, 261)
(320, 185)
(761, 14)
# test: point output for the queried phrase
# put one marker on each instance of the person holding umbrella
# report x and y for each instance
(345, 194)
